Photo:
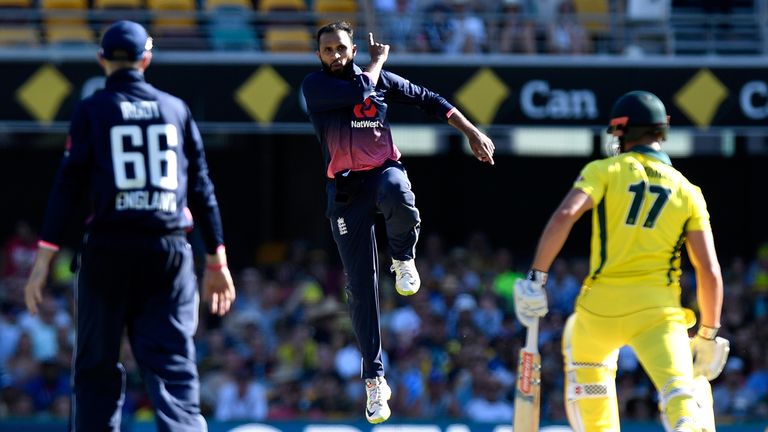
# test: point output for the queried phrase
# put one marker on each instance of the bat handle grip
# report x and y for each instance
(532, 337)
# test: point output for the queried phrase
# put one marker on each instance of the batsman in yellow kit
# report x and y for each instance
(643, 212)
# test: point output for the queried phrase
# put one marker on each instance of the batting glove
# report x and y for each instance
(709, 353)
(530, 297)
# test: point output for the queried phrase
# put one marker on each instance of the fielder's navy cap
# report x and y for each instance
(125, 40)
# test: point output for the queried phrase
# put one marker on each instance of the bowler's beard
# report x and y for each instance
(345, 71)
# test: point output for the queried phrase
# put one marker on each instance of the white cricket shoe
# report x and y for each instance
(377, 409)
(407, 280)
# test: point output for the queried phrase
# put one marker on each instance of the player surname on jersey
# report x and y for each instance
(163, 201)
(140, 110)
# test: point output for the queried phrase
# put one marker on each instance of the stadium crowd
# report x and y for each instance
(287, 351)
(553, 27)
(450, 27)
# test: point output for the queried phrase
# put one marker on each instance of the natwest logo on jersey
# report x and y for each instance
(365, 110)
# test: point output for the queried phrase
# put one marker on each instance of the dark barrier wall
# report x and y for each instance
(272, 189)
(258, 93)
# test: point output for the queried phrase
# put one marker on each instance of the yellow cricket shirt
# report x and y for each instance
(642, 209)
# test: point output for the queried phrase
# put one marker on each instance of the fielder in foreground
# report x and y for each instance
(643, 212)
(139, 153)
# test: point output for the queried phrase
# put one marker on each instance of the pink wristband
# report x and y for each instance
(215, 266)
(46, 245)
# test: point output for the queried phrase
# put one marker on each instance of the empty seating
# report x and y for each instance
(288, 39)
(14, 12)
(62, 12)
(229, 26)
(172, 14)
(69, 34)
(65, 22)
(328, 11)
(174, 24)
(228, 4)
(281, 5)
(283, 12)
(15, 4)
(19, 36)
(594, 15)
(118, 4)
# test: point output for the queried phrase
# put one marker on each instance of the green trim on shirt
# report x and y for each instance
(658, 154)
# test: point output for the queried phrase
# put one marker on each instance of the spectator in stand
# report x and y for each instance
(566, 35)
(450, 369)
(488, 316)
(562, 288)
(285, 400)
(729, 394)
(460, 314)
(757, 279)
(398, 23)
(436, 29)
(22, 365)
(241, 398)
(404, 323)
(297, 349)
(756, 385)
(489, 405)
(48, 386)
(260, 303)
(20, 404)
(43, 328)
(517, 31)
(10, 332)
(346, 361)
(213, 380)
(19, 252)
(409, 383)
(545, 14)
(439, 401)
(327, 398)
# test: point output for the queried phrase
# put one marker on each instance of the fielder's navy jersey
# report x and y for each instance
(141, 155)
(349, 115)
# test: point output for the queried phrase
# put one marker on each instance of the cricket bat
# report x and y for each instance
(528, 389)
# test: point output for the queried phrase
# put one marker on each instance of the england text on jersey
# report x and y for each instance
(146, 200)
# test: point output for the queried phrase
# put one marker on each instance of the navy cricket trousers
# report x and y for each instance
(145, 286)
(353, 202)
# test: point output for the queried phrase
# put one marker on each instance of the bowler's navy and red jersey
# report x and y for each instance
(349, 115)
(140, 153)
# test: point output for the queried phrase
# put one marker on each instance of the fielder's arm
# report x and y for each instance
(33, 290)
(218, 287)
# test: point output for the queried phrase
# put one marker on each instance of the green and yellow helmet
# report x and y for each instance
(636, 114)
